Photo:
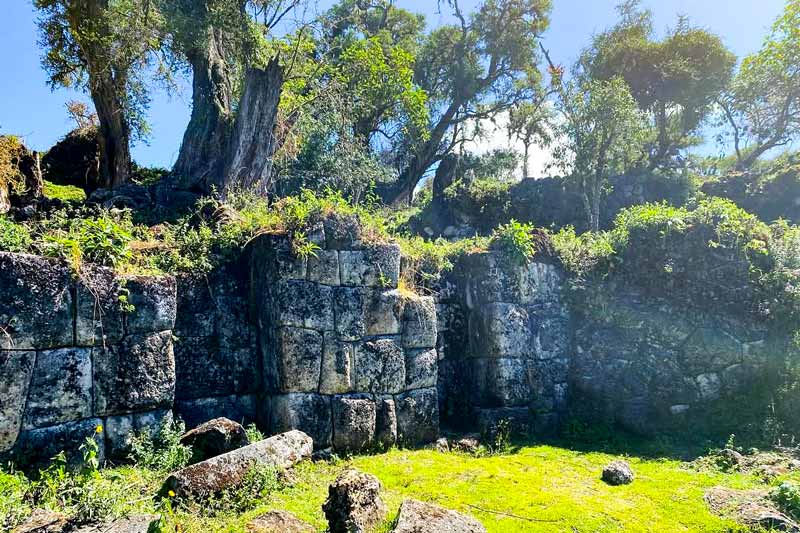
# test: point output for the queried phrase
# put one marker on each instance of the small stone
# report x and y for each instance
(468, 443)
(618, 473)
(129, 524)
(354, 503)
(441, 445)
(278, 522)
(419, 517)
(215, 437)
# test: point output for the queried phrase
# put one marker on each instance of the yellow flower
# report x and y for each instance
(98, 429)
(171, 494)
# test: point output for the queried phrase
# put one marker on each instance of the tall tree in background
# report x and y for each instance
(471, 71)
(675, 80)
(530, 123)
(105, 47)
(762, 107)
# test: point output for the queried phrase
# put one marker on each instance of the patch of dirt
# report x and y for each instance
(750, 507)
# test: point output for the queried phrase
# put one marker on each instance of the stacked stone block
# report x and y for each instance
(507, 342)
(77, 362)
(347, 357)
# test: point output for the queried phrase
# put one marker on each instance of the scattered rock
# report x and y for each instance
(42, 521)
(215, 437)
(322, 455)
(441, 445)
(468, 443)
(354, 503)
(418, 517)
(208, 477)
(618, 473)
(129, 524)
(730, 458)
(750, 507)
(278, 522)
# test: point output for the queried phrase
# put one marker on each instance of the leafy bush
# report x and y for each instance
(13, 237)
(103, 239)
(787, 496)
(162, 452)
(66, 193)
(516, 240)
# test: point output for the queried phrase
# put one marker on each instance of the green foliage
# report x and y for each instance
(580, 254)
(254, 434)
(66, 193)
(257, 485)
(787, 496)
(162, 452)
(516, 240)
(103, 239)
(14, 506)
(10, 176)
(424, 261)
(13, 237)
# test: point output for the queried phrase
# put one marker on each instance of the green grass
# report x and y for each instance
(537, 488)
(67, 193)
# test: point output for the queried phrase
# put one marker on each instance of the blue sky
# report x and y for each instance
(30, 109)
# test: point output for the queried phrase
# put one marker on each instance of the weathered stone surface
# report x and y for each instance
(120, 430)
(153, 301)
(503, 382)
(137, 375)
(323, 267)
(618, 473)
(16, 370)
(354, 503)
(37, 446)
(501, 330)
(383, 311)
(494, 280)
(419, 517)
(99, 319)
(61, 387)
(353, 422)
(342, 232)
(128, 524)
(35, 303)
(552, 339)
(380, 366)
(278, 522)
(385, 422)
(209, 477)
(303, 304)
(349, 312)
(519, 419)
(337, 375)
(297, 361)
(215, 437)
(375, 266)
(417, 416)
(196, 411)
(419, 322)
(421, 368)
(310, 413)
(43, 521)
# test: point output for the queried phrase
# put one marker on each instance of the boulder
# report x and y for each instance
(43, 521)
(419, 517)
(75, 160)
(354, 503)
(342, 232)
(467, 444)
(206, 478)
(618, 473)
(278, 522)
(215, 437)
(15, 378)
(128, 524)
(353, 423)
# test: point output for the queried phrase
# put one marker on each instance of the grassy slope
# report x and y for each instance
(548, 489)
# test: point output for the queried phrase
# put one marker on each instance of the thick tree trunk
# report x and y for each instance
(115, 135)
(249, 164)
(201, 161)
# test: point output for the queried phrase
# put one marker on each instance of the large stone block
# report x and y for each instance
(384, 312)
(505, 382)
(16, 369)
(194, 412)
(552, 338)
(375, 266)
(99, 319)
(35, 303)
(353, 422)
(385, 421)
(61, 388)
(492, 278)
(137, 375)
(419, 322)
(421, 368)
(153, 304)
(349, 305)
(417, 416)
(195, 307)
(342, 232)
(298, 359)
(337, 375)
(310, 413)
(364, 312)
(416, 516)
(120, 430)
(323, 267)
(37, 446)
(501, 330)
(303, 304)
(380, 366)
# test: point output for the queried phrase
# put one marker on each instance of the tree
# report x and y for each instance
(530, 123)
(604, 132)
(675, 80)
(470, 71)
(762, 106)
(105, 47)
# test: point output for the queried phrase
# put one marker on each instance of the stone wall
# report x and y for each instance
(76, 361)
(348, 357)
(506, 345)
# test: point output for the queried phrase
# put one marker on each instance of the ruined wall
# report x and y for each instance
(78, 360)
(348, 357)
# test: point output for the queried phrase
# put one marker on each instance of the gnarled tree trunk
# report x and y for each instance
(115, 134)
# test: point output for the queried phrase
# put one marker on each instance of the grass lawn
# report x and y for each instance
(537, 488)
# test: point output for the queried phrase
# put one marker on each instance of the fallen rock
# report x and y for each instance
(441, 445)
(128, 524)
(42, 521)
(618, 473)
(215, 437)
(213, 475)
(354, 503)
(750, 507)
(419, 517)
(278, 522)
(730, 458)
(467, 443)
